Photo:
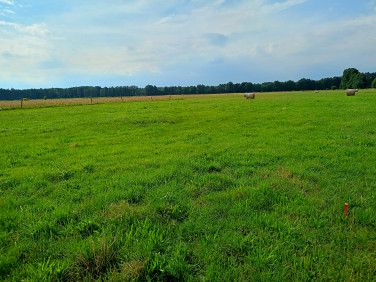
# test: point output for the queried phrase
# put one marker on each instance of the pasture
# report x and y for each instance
(211, 188)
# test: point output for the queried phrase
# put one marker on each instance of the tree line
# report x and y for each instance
(351, 78)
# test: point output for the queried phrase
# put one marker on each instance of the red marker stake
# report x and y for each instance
(346, 209)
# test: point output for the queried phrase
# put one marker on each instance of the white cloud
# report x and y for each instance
(22, 48)
(8, 2)
(279, 6)
(33, 30)
(8, 11)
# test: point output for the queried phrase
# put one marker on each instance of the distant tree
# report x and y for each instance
(134, 90)
(212, 90)
(358, 81)
(248, 87)
(221, 88)
(267, 87)
(278, 86)
(373, 84)
(369, 77)
(230, 87)
(305, 84)
(348, 78)
(289, 85)
(201, 89)
(327, 83)
(151, 90)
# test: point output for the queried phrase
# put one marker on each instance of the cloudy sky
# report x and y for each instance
(50, 43)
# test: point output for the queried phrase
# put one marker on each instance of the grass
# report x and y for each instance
(209, 188)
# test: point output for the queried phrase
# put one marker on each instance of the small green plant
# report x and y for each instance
(47, 270)
(173, 211)
(87, 227)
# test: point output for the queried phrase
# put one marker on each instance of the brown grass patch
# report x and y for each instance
(86, 101)
(307, 187)
(129, 271)
(123, 208)
(74, 145)
(33, 103)
(283, 173)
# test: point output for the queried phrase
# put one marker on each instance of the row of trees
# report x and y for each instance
(230, 87)
(351, 78)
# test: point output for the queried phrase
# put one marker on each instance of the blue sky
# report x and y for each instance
(49, 43)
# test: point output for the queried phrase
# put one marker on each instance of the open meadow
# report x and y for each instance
(212, 188)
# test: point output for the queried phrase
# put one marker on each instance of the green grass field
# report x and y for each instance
(214, 188)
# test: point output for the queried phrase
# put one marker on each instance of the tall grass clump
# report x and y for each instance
(94, 259)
